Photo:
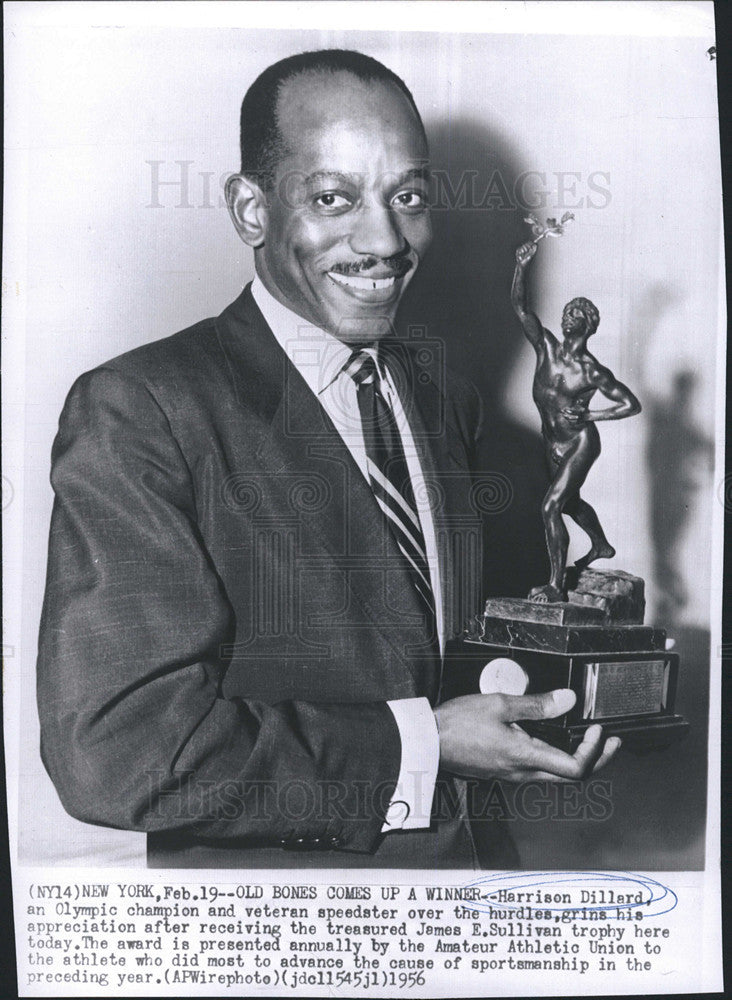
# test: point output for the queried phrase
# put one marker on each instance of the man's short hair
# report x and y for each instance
(588, 309)
(261, 141)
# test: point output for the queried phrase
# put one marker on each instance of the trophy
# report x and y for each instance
(583, 629)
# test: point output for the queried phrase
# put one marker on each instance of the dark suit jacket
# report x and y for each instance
(226, 612)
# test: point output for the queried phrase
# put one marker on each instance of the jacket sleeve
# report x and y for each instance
(135, 731)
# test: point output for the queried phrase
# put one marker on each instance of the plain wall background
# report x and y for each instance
(635, 117)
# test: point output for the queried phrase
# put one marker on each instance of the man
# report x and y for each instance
(566, 378)
(248, 597)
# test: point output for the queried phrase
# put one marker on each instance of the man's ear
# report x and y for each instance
(247, 208)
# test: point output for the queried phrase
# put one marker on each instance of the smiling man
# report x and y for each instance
(252, 573)
(333, 192)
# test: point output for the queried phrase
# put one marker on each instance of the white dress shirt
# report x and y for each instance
(319, 357)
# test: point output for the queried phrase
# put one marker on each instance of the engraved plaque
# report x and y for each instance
(635, 687)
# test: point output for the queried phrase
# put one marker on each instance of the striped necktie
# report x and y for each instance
(389, 475)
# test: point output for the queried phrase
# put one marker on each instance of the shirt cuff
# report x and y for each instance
(411, 805)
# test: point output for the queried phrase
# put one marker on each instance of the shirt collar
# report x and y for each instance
(318, 356)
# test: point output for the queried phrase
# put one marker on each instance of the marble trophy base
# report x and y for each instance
(595, 643)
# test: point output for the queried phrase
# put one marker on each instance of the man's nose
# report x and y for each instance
(376, 232)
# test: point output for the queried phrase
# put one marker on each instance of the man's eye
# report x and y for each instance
(413, 201)
(332, 201)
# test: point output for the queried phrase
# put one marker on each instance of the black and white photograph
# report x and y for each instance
(363, 491)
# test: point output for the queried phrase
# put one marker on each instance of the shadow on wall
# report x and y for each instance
(461, 294)
(676, 454)
(674, 447)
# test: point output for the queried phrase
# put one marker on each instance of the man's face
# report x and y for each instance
(347, 221)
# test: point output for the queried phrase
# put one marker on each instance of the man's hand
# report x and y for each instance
(479, 738)
(525, 253)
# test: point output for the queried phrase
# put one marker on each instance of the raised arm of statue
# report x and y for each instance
(519, 299)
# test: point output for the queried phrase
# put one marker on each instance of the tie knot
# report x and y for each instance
(361, 367)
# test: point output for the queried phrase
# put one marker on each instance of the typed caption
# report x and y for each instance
(163, 937)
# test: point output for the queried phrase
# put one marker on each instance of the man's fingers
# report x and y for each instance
(589, 750)
(543, 757)
(612, 745)
(537, 706)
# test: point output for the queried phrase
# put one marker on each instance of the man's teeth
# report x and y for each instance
(356, 281)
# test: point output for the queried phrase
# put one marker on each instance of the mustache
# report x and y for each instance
(397, 265)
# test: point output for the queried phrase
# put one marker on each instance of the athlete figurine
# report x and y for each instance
(566, 378)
